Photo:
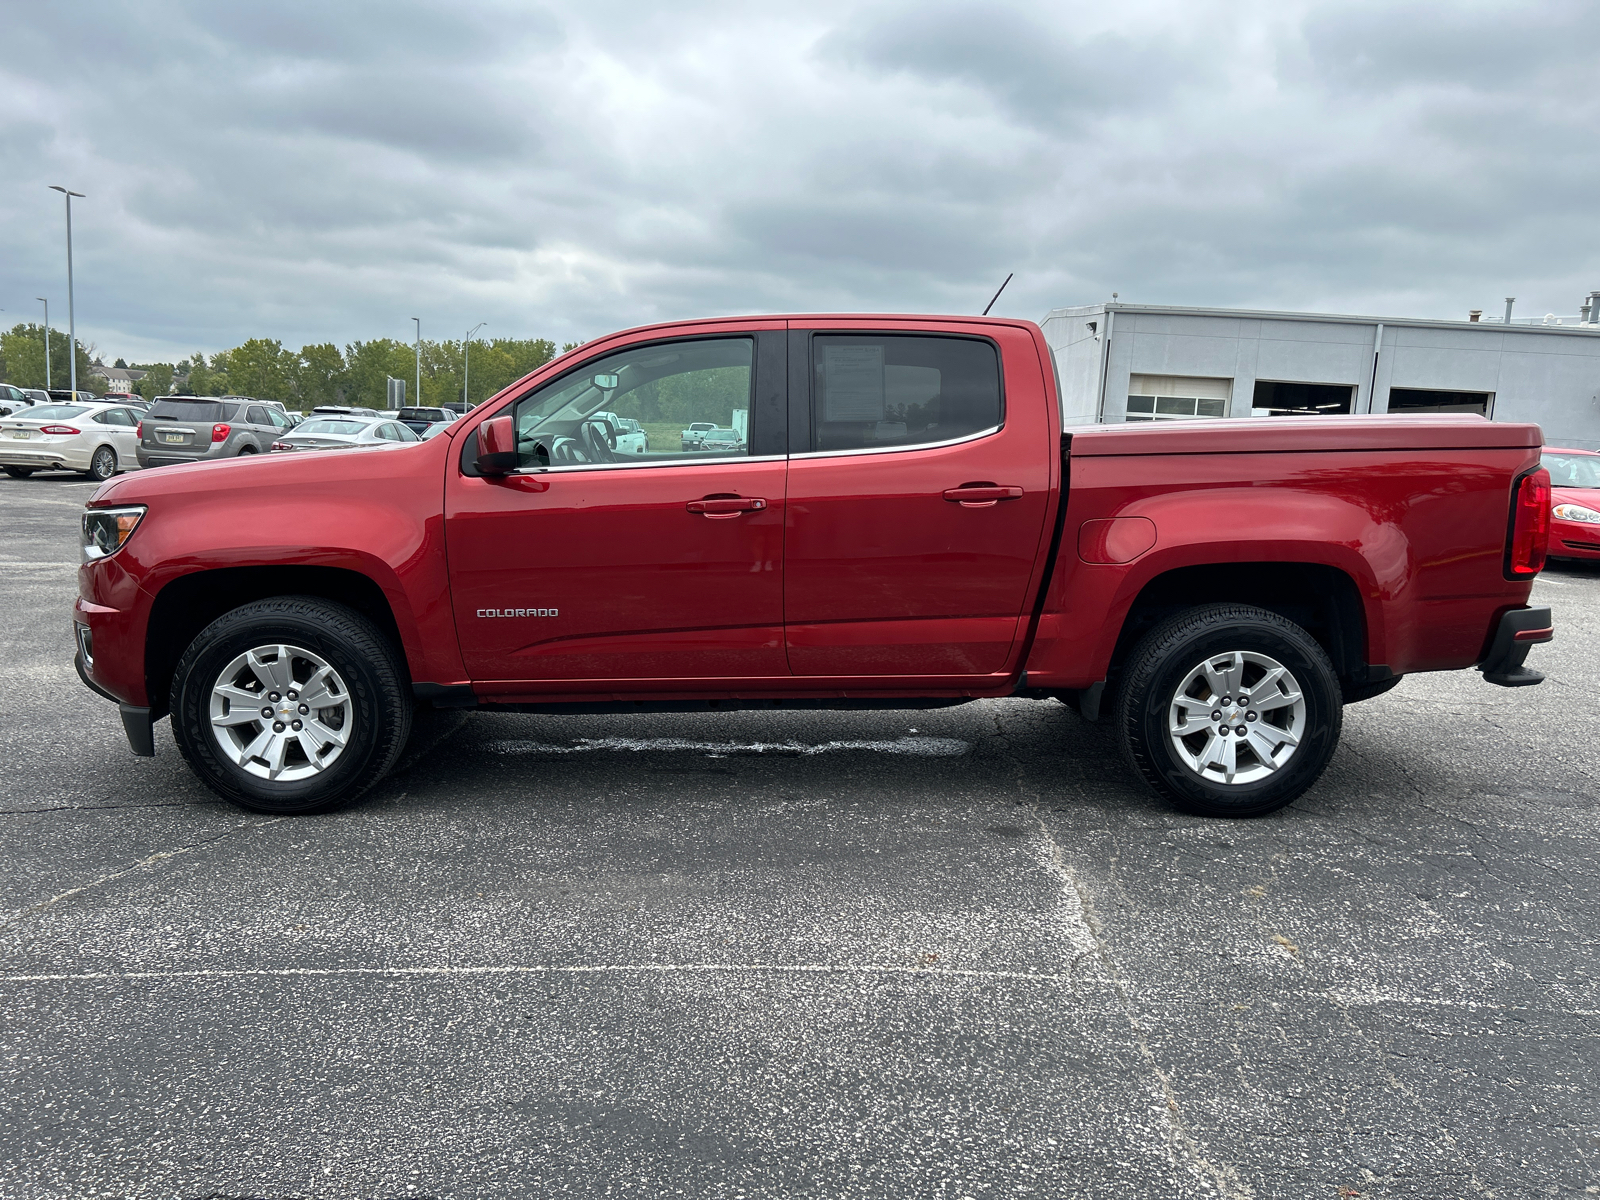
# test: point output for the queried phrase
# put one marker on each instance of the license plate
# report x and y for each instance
(172, 439)
(20, 433)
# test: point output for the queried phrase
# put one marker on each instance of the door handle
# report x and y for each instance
(981, 495)
(720, 508)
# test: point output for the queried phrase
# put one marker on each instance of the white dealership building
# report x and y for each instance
(1139, 362)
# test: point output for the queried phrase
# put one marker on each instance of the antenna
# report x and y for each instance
(990, 305)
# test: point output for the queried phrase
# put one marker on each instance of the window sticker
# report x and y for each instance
(852, 383)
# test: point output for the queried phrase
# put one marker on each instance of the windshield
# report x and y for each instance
(423, 414)
(346, 427)
(55, 412)
(1573, 470)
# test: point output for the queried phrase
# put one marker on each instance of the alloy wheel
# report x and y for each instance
(1237, 718)
(281, 713)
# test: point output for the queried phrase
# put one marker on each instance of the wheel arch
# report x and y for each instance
(1323, 600)
(187, 604)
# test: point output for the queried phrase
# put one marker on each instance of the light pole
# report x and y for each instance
(466, 359)
(418, 400)
(46, 304)
(72, 319)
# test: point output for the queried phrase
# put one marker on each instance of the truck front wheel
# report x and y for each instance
(290, 705)
(1229, 710)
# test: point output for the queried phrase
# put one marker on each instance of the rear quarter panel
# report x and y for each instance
(1421, 533)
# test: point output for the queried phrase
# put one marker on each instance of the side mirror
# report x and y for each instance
(497, 450)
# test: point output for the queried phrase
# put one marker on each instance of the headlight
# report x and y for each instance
(105, 530)
(1576, 512)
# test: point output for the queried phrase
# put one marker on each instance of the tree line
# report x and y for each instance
(301, 379)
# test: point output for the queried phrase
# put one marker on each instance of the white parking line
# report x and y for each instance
(619, 969)
(929, 747)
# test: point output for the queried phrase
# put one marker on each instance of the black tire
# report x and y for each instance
(375, 692)
(1167, 657)
(20, 472)
(1355, 693)
(247, 448)
(103, 464)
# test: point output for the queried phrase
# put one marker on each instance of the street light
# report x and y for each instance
(466, 358)
(46, 304)
(418, 400)
(72, 320)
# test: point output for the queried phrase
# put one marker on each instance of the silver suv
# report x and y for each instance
(181, 429)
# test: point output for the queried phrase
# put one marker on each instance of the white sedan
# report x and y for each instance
(98, 439)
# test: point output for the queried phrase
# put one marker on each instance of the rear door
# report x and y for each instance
(916, 514)
(597, 569)
(122, 425)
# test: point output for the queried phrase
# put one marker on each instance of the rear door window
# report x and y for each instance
(257, 415)
(887, 391)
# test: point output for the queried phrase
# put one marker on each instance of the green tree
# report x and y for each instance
(22, 358)
(208, 379)
(369, 366)
(157, 381)
(320, 376)
(261, 368)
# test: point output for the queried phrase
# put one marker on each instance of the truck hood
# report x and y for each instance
(259, 473)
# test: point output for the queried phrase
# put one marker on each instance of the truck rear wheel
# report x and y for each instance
(290, 705)
(1229, 710)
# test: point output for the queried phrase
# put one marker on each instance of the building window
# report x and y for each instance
(1276, 399)
(1420, 400)
(1175, 397)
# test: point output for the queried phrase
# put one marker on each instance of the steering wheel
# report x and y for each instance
(598, 440)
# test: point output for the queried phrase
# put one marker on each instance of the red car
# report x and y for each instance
(903, 522)
(1575, 490)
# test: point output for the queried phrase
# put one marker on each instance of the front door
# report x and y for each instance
(916, 514)
(602, 562)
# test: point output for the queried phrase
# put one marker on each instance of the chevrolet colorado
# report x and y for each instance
(906, 524)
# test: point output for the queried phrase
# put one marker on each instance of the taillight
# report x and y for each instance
(282, 446)
(138, 430)
(219, 433)
(59, 429)
(1530, 526)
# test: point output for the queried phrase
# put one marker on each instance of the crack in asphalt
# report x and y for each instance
(155, 859)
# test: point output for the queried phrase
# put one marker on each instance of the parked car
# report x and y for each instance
(434, 430)
(627, 435)
(721, 439)
(336, 433)
(418, 419)
(98, 439)
(122, 397)
(37, 395)
(342, 410)
(185, 429)
(697, 430)
(1218, 589)
(67, 396)
(1575, 491)
(15, 400)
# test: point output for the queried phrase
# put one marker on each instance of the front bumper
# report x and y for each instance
(137, 723)
(1574, 539)
(1519, 630)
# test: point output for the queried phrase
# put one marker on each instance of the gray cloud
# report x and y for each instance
(313, 171)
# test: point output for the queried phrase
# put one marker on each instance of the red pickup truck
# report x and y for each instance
(905, 524)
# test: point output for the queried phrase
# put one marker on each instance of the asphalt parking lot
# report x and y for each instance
(957, 953)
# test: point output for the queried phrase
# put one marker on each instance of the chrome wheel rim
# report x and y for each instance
(281, 713)
(1237, 718)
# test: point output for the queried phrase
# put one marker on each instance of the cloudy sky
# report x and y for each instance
(325, 171)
